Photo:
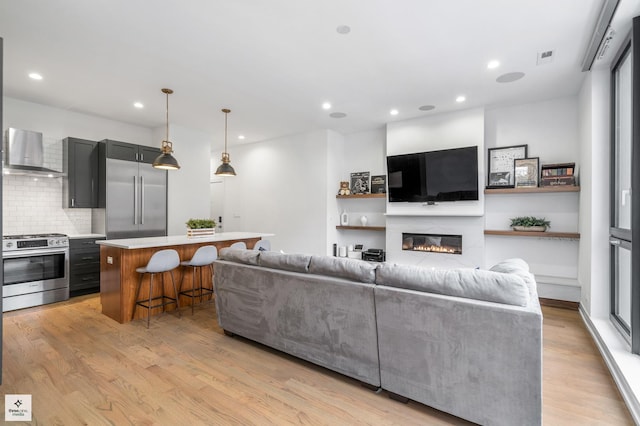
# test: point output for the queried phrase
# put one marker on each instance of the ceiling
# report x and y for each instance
(273, 63)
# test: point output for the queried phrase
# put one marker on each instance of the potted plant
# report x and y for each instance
(200, 227)
(530, 223)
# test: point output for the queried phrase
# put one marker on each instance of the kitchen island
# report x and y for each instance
(120, 258)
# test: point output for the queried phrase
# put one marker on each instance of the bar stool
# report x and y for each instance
(262, 245)
(161, 261)
(203, 257)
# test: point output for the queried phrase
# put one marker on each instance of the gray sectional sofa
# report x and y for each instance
(464, 341)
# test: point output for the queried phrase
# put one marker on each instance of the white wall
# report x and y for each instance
(31, 206)
(594, 203)
(37, 206)
(434, 132)
(281, 188)
(361, 152)
(551, 131)
(188, 188)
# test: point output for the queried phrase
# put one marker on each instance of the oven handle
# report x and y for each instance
(31, 253)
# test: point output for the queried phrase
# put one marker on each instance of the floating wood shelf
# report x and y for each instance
(363, 228)
(362, 196)
(546, 234)
(540, 189)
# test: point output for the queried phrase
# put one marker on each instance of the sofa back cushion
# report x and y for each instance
(287, 262)
(248, 257)
(477, 284)
(343, 267)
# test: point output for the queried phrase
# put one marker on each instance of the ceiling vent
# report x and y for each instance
(544, 57)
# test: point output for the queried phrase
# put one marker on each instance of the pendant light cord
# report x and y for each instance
(226, 114)
(167, 117)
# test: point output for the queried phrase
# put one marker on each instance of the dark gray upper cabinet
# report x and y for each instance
(148, 153)
(131, 152)
(80, 161)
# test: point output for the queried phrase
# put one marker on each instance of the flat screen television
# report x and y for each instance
(444, 175)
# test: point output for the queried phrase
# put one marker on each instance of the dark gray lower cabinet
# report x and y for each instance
(84, 266)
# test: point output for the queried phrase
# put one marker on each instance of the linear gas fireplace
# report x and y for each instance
(434, 243)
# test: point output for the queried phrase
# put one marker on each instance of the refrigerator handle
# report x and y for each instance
(142, 200)
(135, 200)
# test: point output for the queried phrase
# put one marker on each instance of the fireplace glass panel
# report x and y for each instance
(434, 243)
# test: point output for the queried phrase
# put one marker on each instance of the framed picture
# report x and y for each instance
(360, 183)
(501, 166)
(526, 172)
(379, 184)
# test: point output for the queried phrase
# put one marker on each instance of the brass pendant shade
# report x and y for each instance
(225, 168)
(166, 161)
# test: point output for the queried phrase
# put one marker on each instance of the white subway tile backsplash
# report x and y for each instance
(35, 206)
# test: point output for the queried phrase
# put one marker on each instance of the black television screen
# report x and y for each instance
(445, 175)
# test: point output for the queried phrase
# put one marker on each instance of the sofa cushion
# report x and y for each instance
(477, 284)
(510, 265)
(248, 257)
(342, 267)
(287, 262)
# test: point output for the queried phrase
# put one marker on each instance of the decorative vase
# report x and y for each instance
(363, 220)
(344, 218)
(530, 228)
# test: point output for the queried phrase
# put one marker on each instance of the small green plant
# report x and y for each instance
(201, 223)
(530, 221)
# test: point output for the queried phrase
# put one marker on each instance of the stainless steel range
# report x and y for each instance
(36, 270)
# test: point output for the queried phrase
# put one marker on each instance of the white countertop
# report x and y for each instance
(78, 236)
(177, 240)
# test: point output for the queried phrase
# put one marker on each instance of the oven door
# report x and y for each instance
(37, 270)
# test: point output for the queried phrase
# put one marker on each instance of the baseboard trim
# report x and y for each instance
(623, 386)
(564, 304)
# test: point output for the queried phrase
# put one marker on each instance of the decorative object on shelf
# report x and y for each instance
(344, 218)
(530, 223)
(165, 160)
(200, 227)
(526, 172)
(363, 220)
(562, 174)
(344, 188)
(360, 183)
(225, 168)
(379, 184)
(501, 167)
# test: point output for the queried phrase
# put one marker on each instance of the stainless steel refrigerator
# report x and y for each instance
(136, 193)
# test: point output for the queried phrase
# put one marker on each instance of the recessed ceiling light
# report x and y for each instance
(510, 77)
(35, 76)
(326, 105)
(426, 107)
(138, 104)
(343, 29)
(241, 137)
(394, 112)
(337, 115)
(461, 98)
(493, 64)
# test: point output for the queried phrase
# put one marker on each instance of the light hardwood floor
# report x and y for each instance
(83, 368)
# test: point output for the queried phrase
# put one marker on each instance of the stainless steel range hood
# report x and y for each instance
(25, 154)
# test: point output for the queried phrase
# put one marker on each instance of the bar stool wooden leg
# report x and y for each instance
(175, 291)
(150, 296)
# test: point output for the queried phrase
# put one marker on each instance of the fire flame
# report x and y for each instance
(434, 248)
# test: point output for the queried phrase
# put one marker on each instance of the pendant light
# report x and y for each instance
(165, 160)
(225, 168)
